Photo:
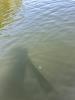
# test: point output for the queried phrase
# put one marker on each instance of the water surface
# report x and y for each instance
(46, 28)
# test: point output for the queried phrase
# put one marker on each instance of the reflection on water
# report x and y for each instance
(7, 9)
(47, 29)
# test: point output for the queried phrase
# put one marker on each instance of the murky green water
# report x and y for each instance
(46, 28)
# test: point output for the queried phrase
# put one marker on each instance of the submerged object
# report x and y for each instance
(21, 80)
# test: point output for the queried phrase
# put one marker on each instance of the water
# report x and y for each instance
(46, 28)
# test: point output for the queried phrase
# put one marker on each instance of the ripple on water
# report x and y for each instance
(8, 8)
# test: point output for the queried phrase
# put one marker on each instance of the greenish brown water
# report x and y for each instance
(46, 28)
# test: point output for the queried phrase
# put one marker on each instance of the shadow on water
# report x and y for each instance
(7, 10)
(21, 80)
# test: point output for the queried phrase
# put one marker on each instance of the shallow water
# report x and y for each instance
(46, 28)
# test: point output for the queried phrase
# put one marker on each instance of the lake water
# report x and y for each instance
(46, 28)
